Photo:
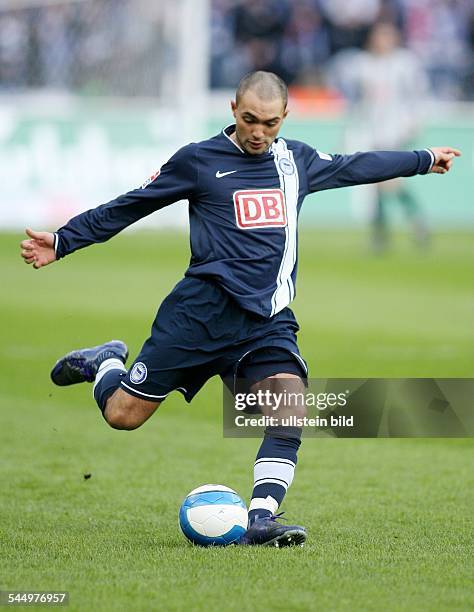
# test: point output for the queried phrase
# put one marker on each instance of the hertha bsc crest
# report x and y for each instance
(139, 373)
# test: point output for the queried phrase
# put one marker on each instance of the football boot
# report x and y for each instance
(267, 531)
(82, 365)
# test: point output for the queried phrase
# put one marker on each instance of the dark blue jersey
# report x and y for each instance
(243, 209)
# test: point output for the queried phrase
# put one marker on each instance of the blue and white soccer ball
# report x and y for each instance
(213, 515)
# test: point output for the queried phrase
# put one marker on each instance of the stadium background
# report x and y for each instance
(94, 96)
(109, 89)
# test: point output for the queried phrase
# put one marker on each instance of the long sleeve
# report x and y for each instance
(176, 180)
(332, 171)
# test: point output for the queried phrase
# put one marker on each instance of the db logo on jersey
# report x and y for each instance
(260, 208)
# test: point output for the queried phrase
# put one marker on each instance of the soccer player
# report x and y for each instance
(389, 88)
(229, 315)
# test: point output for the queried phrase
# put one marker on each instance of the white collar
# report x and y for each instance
(231, 139)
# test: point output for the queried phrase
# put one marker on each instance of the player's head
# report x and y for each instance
(259, 110)
(384, 37)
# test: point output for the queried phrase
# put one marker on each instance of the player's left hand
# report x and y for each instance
(444, 157)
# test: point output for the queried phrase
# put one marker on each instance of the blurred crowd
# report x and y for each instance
(299, 39)
(116, 46)
(96, 47)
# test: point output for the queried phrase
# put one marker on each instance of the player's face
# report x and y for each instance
(257, 122)
(383, 39)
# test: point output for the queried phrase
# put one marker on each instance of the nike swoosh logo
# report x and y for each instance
(220, 174)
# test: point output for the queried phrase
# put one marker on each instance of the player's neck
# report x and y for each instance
(233, 137)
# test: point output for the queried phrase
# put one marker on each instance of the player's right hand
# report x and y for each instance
(39, 249)
(444, 157)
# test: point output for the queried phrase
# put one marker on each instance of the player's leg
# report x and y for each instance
(170, 359)
(277, 456)
(120, 408)
(414, 214)
(124, 411)
(379, 224)
(281, 374)
(105, 366)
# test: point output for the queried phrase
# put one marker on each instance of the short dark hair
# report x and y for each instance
(267, 85)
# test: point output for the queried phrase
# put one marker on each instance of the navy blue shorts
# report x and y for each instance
(199, 332)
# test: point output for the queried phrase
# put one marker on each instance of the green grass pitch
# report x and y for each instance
(389, 521)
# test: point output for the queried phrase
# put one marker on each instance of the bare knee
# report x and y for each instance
(118, 418)
(290, 391)
(124, 411)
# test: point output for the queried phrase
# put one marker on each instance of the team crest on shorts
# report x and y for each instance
(286, 166)
(139, 373)
(260, 208)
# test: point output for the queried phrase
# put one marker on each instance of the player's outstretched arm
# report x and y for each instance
(444, 157)
(333, 171)
(39, 249)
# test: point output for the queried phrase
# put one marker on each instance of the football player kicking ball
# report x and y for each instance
(229, 315)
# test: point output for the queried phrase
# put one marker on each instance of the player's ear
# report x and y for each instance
(233, 106)
(287, 110)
